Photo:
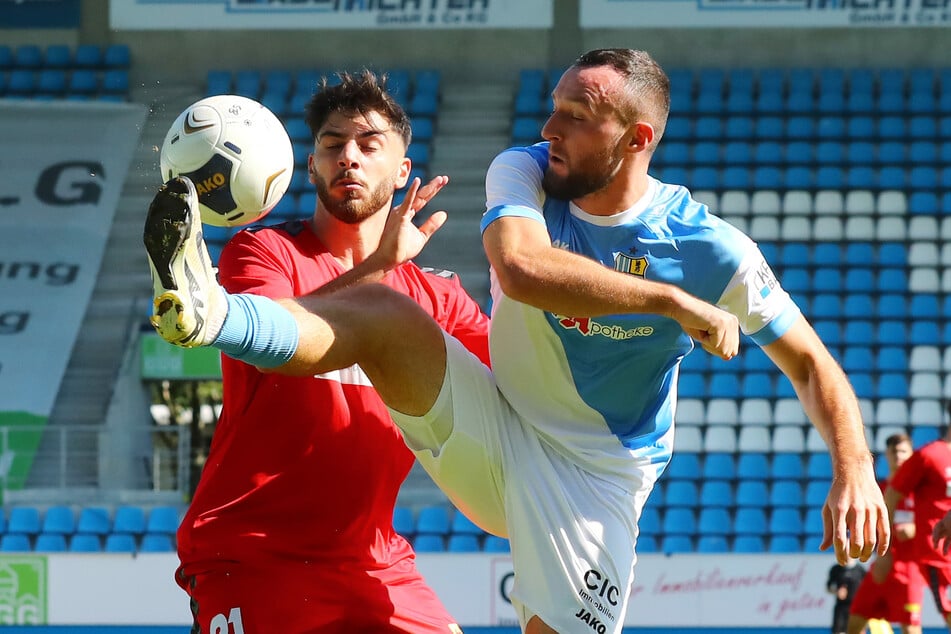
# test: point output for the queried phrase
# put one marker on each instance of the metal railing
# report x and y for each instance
(98, 457)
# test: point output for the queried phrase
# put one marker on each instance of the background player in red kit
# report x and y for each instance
(893, 588)
(290, 528)
(926, 476)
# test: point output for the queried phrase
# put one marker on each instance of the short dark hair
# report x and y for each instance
(896, 439)
(647, 83)
(353, 94)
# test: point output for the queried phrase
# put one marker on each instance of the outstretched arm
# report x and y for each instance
(533, 271)
(401, 240)
(855, 520)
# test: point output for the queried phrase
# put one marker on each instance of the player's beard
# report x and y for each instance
(592, 174)
(355, 210)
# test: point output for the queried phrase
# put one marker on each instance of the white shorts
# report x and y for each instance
(572, 532)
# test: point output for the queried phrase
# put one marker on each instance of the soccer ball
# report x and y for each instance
(236, 152)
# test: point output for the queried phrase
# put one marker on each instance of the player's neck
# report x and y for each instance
(618, 196)
(350, 244)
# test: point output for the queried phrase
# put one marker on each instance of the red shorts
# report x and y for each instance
(896, 600)
(326, 599)
(938, 579)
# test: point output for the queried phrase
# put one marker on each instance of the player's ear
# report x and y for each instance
(402, 172)
(311, 169)
(642, 135)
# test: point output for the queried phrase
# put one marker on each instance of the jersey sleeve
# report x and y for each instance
(764, 309)
(466, 321)
(249, 265)
(513, 185)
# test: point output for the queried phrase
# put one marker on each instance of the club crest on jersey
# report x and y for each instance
(627, 264)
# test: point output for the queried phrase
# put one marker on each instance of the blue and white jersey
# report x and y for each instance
(601, 388)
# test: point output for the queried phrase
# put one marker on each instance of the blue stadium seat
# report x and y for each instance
(21, 82)
(83, 82)
(115, 82)
(892, 359)
(768, 127)
(24, 520)
(463, 544)
(88, 56)
(755, 360)
(857, 305)
(857, 358)
(29, 56)
(129, 519)
(861, 128)
(52, 82)
(162, 519)
(892, 385)
(525, 130)
(715, 494)
(892, 254)
(785, 544)
(676, 544)
(892, 281)
(715, 521)
(785, 521)
(737, 128)
(433, 520)
(748, 544)
(757, 385)
(59, 520)
(691, 385)
(679, 521)
(923, 434)
(120, 543)
(156, 543)
(496, 544)
(15, 542)
(892, 332)
(718, 466)
(85, 543)
(787, 466)
(819, 466)
(751, 493)
(681, 493)
(403, 521)
(752, 466)
(817, 489)
(117, 56)
(831, 128)
(50, 543)
(785, 493)
(94, 520)
(429, 543)
(749, 521)
(683, 466)
(712, 544)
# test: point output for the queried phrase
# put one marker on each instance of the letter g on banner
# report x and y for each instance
(71, 183)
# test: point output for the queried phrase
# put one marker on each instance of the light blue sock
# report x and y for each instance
(258, 331)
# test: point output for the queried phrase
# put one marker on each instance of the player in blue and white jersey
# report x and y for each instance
(602, 277)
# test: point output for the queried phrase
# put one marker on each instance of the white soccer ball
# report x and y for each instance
(236, 152)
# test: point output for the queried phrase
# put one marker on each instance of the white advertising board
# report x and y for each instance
(763, 13)
(62, 167)
(330, 14)
(770, 590)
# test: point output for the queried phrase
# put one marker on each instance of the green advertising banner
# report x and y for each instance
(163, 361)
(23, 590)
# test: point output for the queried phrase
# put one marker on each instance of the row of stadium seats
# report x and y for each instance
(853, 152)
(713, 81)
(792, 128)
(95, 520)
(829, 202)
(62, 56)
(671, 544)
(57, 84)
(758, 411)
(287, 92)
(826, 177)
(62, 528)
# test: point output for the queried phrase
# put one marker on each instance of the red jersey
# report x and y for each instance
(902, 551)
(926, 475)
(308, 469)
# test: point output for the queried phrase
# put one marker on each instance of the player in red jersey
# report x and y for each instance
(290, 528)
(926, 476)
(893, 588)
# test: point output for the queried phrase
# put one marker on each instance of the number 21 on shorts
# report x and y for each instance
(220, 624)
